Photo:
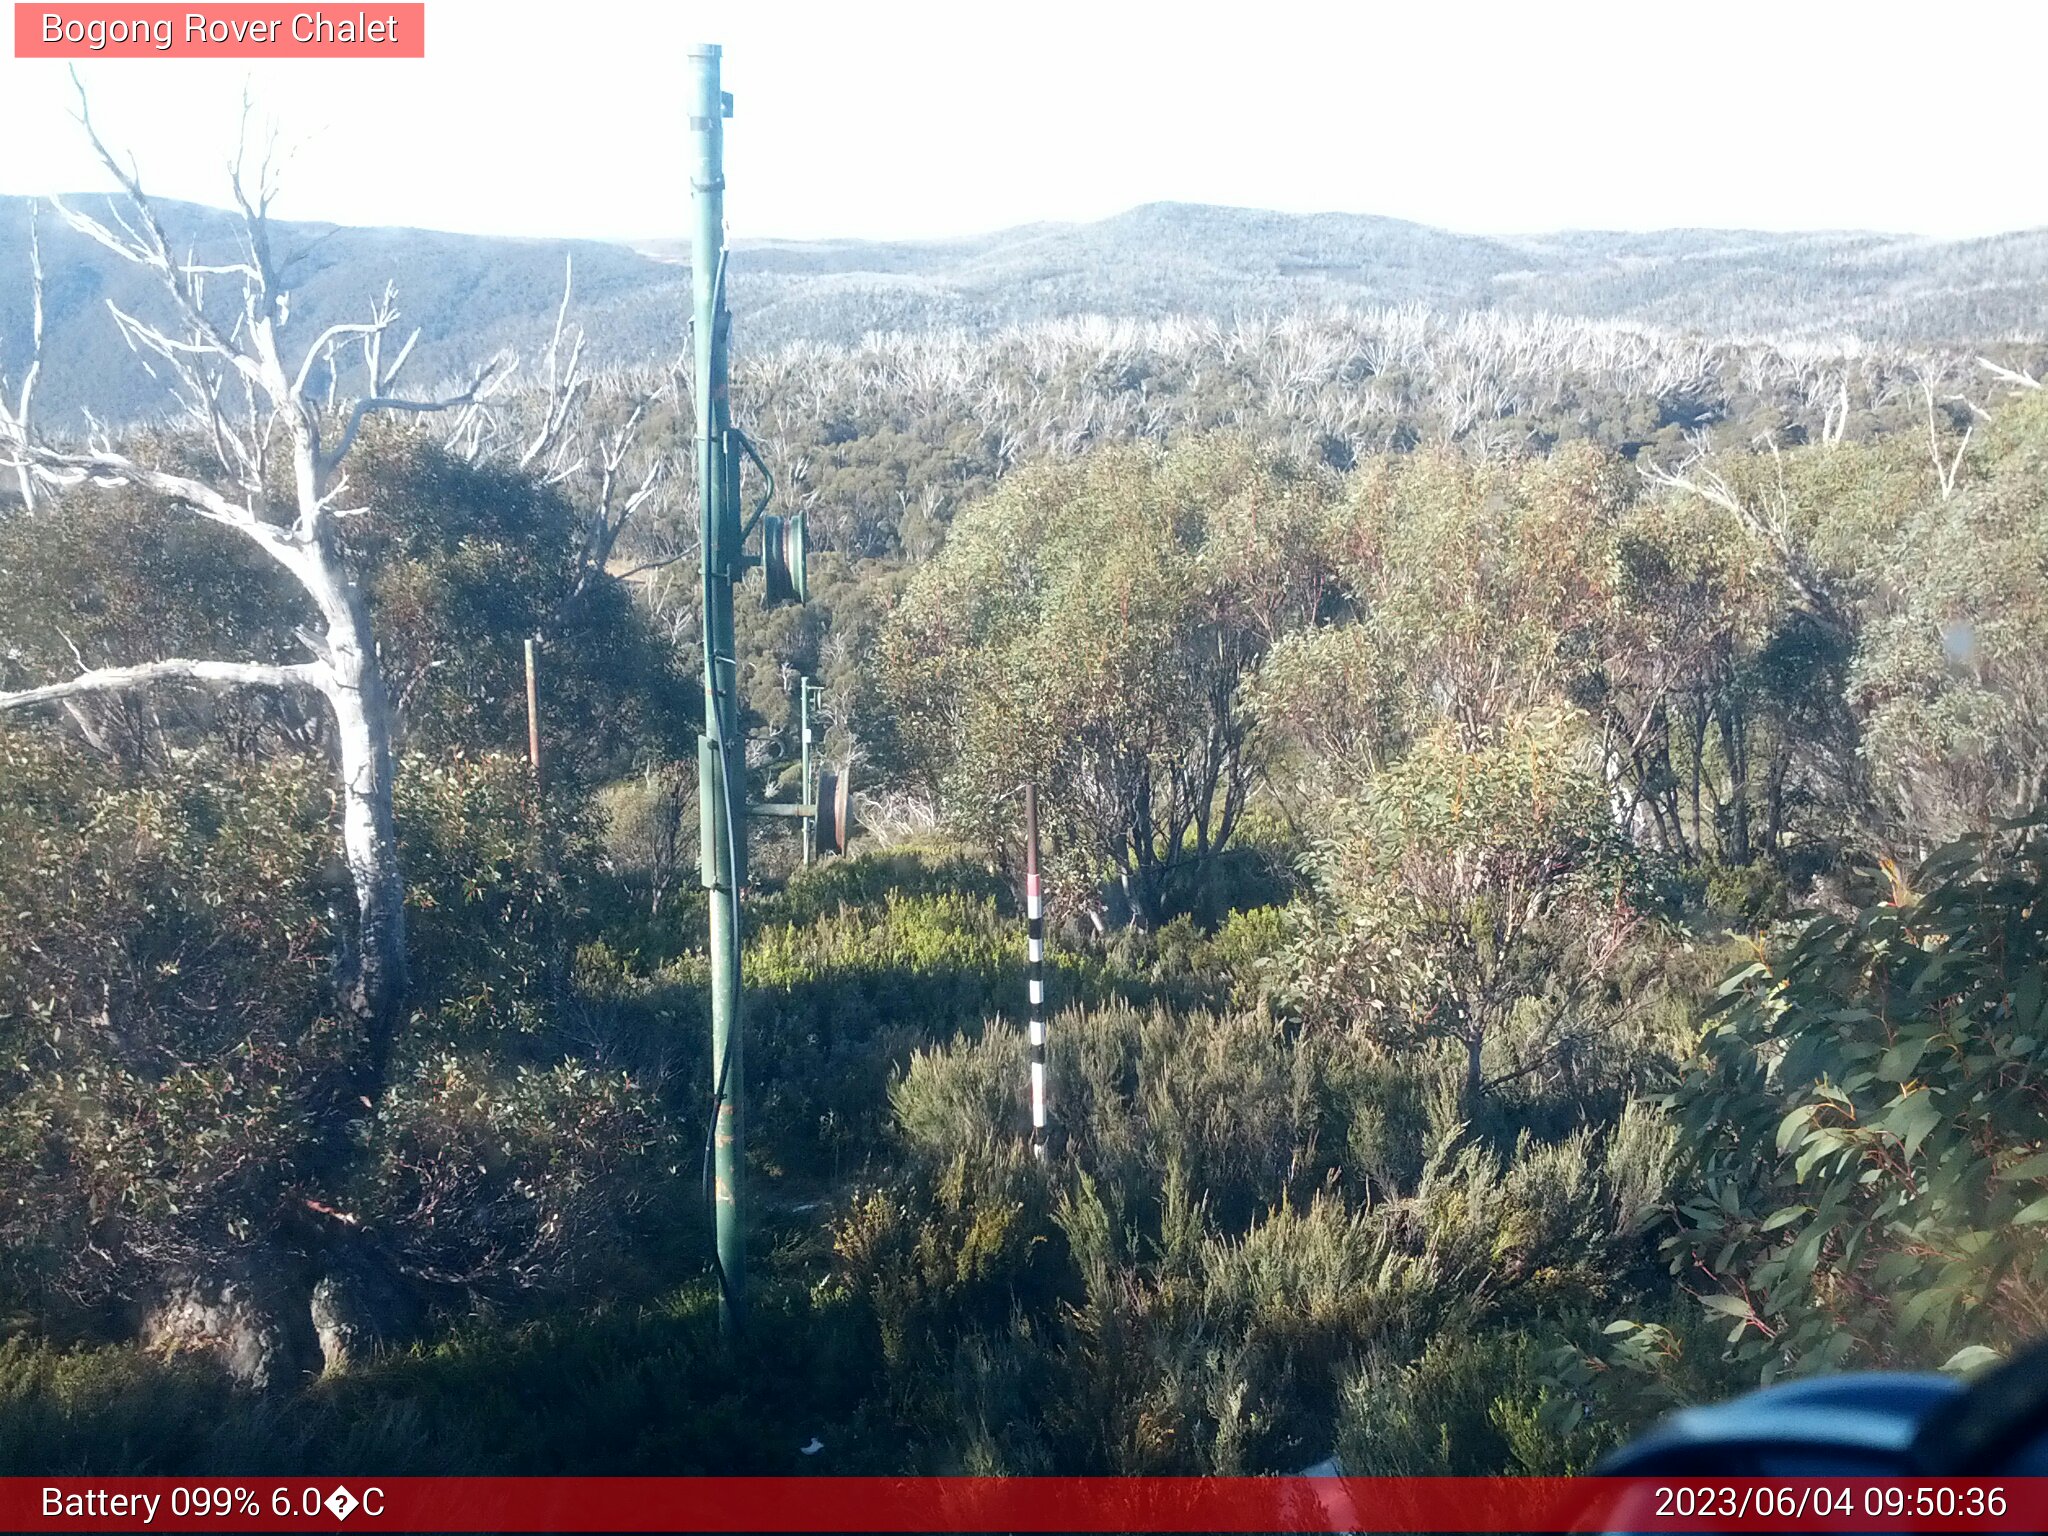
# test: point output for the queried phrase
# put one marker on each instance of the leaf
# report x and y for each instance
(1732, 1306)
(1898, 1062)
(1971, 1357)
(1912, 1118)
(1917, 1307)
(2027, 999)
(1893, 1268)
(1736, 982)
(1790, 1127)
(2038, 1211)
(1785, 1217)
(2034, 1167)
(1818, 1146)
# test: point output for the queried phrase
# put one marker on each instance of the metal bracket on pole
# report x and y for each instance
(747, 447)
(801, 810)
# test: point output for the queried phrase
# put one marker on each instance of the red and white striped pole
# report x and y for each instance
(1034, 921)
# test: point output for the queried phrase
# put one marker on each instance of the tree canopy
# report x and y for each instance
(1090, 626)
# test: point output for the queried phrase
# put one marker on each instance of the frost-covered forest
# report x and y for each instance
(472, 295)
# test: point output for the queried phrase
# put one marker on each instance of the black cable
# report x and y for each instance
(718, 1092)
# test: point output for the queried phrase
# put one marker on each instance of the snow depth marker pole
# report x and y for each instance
(1034, 928)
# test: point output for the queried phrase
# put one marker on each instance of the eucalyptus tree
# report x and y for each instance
(1476, 894)
(1950, 680)
(1089, 625)
(1471, 592)
(262, 451)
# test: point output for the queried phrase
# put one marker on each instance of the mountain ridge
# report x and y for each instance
(472, 294)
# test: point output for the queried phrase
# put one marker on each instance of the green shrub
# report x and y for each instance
(165, 1017)
(1871, 1181)
(1470, 1405)
(172, 1046)
(1751, 894)
(107, 1412)
(947, 1254)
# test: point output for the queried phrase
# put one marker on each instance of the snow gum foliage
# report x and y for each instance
(1090, 626)
(1866, 1112)
(1500, 986)
(164, 1020)
(173, 1053)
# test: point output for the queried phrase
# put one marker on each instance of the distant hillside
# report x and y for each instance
(468, 295)
(472, 294)
(1180, 258)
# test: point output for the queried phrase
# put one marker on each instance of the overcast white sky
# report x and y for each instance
(880, 119)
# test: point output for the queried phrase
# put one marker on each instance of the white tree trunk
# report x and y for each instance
(354, 688)
(240, 397)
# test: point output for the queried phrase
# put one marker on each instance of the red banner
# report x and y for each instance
(237, 31)
(845, 1504)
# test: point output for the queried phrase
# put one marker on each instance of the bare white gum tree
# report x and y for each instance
(583, 432)
(278, 434)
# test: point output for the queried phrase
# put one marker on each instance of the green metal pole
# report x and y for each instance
(721, 785)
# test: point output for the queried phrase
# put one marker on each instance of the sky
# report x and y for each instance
(874, 119)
